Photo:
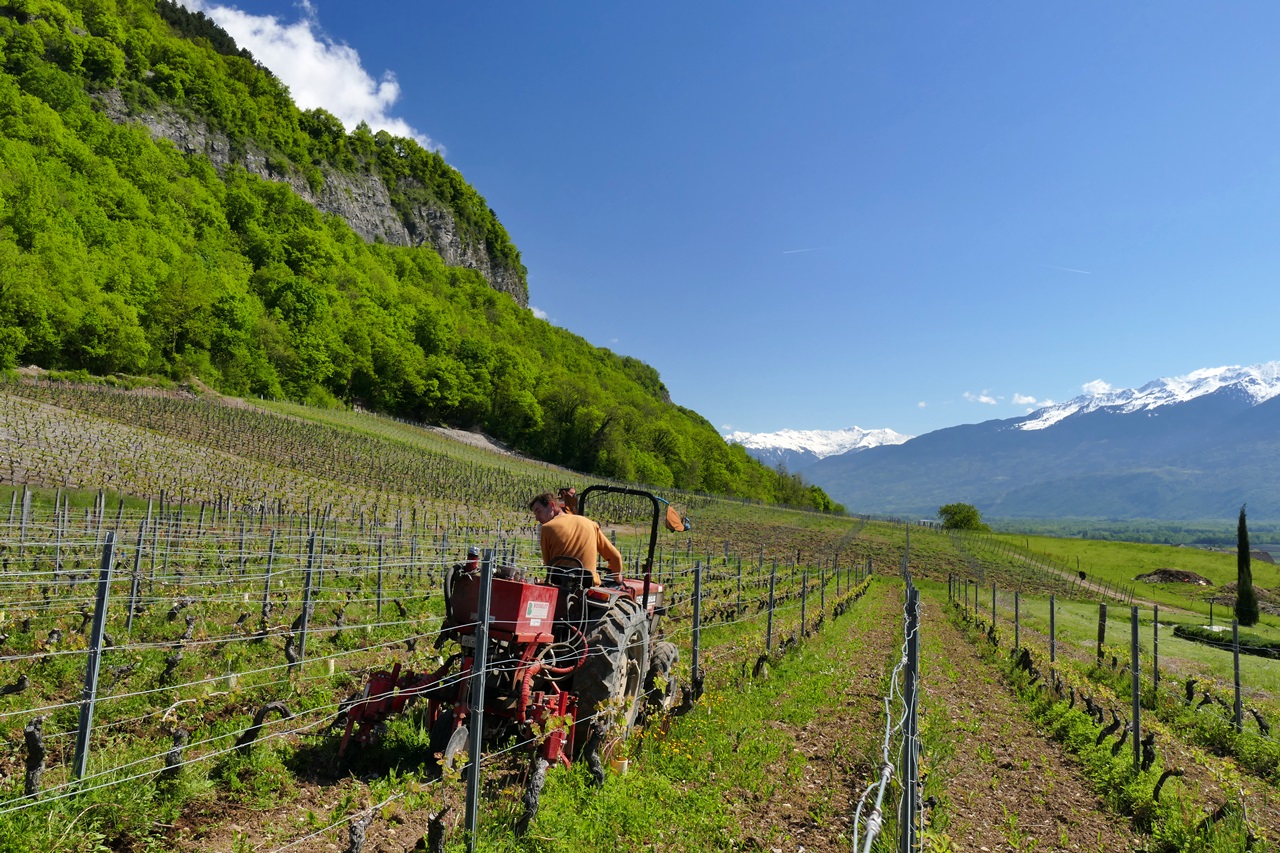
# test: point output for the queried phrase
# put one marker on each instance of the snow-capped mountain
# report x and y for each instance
(799, 448)
(1257, 384)
(1183, 448)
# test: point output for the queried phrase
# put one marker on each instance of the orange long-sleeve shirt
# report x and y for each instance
(577, 536)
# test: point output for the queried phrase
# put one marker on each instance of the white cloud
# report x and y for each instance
(1096, 387)
(922, 404)
(538, 312)
(985, 398)
(318, 71)
(726, 427)
(1030, 402)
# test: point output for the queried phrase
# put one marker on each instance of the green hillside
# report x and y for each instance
(122, 255)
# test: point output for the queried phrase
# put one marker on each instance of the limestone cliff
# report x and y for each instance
(360, 198)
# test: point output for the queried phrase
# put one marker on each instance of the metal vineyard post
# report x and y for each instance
(1136, 687)
(90, 693)
(476, 722)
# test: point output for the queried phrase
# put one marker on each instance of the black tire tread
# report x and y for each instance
(603, 676)
(662, 661)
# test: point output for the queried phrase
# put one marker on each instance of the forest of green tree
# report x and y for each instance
(121, 255)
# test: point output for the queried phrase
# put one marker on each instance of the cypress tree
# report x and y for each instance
(1246, 598)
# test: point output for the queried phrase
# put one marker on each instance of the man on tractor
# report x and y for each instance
(567, 536)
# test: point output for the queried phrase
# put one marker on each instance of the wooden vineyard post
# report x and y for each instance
(804, 602)
(1053, 638)
(822, 593)
(1155, 648)
(738, 612)
(697, 620)
(1102, 628)
(768, 636)
(90, 694)
(1017, 628)
(1237, 709)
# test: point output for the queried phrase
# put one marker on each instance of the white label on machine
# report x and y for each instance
(536, 611)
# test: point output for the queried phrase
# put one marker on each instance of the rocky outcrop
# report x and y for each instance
(360, 198)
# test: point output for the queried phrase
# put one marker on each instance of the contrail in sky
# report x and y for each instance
(797, 251)
(1066, 269)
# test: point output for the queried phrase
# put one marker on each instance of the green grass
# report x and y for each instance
(1122, 562)
(1076, 626)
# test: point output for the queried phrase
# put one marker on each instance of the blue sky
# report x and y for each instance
(819, 215)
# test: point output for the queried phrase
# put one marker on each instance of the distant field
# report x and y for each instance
(1123, 562)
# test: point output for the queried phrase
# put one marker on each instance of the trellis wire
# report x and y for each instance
(181, 542)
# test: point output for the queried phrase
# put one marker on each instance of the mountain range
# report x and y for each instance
(797, 449)
(1185, 448)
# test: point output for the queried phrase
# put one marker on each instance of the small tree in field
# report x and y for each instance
(1246, 598)
(960, 516)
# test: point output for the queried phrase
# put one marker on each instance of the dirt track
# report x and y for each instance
(840, 745)
(1008, 786)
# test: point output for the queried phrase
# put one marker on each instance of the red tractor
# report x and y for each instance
(568, 663)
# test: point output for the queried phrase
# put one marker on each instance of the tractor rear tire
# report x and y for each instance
(662, 691)
(612, 679)
(441, 731)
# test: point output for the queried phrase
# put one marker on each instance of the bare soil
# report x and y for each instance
(1008, 785)
(1174, 576)
(1268, 601)
(840, 746)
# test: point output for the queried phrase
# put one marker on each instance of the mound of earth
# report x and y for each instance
(1174, 576)
(1268, 601)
